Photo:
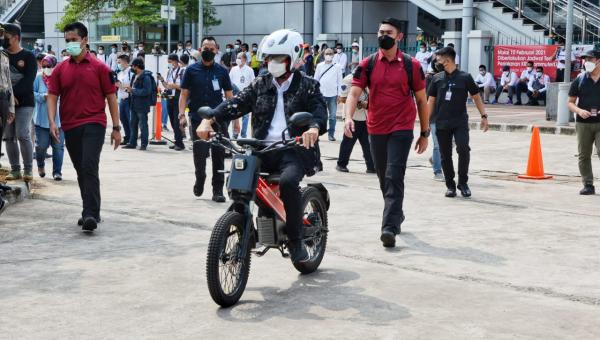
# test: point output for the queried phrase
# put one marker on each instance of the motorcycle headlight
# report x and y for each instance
(239, 164)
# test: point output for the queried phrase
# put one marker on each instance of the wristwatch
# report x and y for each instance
(425, 134)
(484, 116)
(116, 128)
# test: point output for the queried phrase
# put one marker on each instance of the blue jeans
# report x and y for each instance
(43, 140)
(125, 117)
(165, 111)
(139, 119)
(436, 158)
(245, 121)
(332, 108)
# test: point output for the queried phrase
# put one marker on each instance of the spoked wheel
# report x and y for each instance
(227, 268)
(315, 229)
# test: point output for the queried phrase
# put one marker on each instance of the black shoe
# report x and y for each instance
(80, 221)
(451, 193)
(124, 142)
(298, 252)
(128, 146)
(588, 189)
(371, 171)
(518, 103)
(198, 189)
(342, 168)
(464, 190)
(3, 205)
(219, 198)
(172, 147)
(331, 139)
(89, 224)
(143, 148)
(178, 148)
(388, 237)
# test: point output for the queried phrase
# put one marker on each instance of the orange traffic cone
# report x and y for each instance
(535, 165)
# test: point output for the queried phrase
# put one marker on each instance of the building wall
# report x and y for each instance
(53, 11)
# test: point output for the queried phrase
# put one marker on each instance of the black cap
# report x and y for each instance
(394, 22)
(12, 29)
(594, 53)
(173, 57)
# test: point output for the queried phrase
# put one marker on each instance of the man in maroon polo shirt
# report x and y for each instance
(83, 83)
(391, 118)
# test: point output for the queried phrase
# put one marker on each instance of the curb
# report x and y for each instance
(19, 193)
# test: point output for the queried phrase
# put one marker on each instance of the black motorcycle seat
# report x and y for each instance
(273, 178)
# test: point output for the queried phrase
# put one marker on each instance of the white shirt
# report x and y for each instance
(543, 80)
(341, 59)
(218, 57)
(112, 62)
(508, 79)
(527, 75)
(279, 123)
(103, 58)
(329, 77)
(174, 77)
(422, 57)
(457, 59)
(561, 58)
(241, 76)
(485, 81)
(125, 78)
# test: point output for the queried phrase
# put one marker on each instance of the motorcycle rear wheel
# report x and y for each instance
(227, 269)
(315, 210)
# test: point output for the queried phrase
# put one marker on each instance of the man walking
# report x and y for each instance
(17, 134)
(392, 78)
(141, 100)
(447, 101)
(124, 78)
(204, 84)
(329, 75)
(340, 58)
(83, 83)
(7, 99)
(584, 100)
(241, 76)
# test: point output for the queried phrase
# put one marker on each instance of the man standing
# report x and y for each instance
(204, 84)
(423, 56)
(241, 76)
(254, 61)
(355, 56)
(486, 83)
(329, 75)
(101, 55)
(340, 57)
(584, 100)
(141, 100)
(392, 78)
(112, 58)
(83, 84)
(7, 99)
(447, 101)
(561, 61)
(523, 81)
(229, 56)
(124, 78)
(173, 89)
(17, 134)
(507, 84)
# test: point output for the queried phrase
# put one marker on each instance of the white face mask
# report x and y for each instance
(529, 69)
(328, 58)
(339, 50)
(238, 62)
(589, 66)
(276, 68)
(482, 73)
(539, 74)
(422, 49)
(47, 72)
(113, 50)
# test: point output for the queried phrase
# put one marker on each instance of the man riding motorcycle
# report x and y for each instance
(273, 98)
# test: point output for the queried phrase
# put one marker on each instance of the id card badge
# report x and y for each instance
(594, 111)
(215, 84)
(448, 95)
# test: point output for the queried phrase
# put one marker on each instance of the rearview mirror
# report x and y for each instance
(301, 119)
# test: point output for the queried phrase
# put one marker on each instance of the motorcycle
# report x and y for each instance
(237, 234)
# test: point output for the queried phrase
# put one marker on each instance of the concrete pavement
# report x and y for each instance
(518, 260)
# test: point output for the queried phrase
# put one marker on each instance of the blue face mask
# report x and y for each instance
(74, 48)
(120, 67)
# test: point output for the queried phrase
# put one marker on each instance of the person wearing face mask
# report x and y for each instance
(523, 82)
(188, 48)
(355, 58)
(42, 126)
(124, 78)
(84, 86)
(237, 48)
(17, 133)
(228, 57)
(7, 99)
(241, 76)
(447, 101)
(283, 91)
(507, 84)
(112, 58)
(179, 50)
(246, 51)
(254, 62)
(340, 58)
(173, 90)
(140, 92)
(423, 56)
(139, 48)
(487, 84)
(396, 83)
(561, 59)
(101, 55)
(584, 101)
(537, 86)
(204, 84)
(329, 75)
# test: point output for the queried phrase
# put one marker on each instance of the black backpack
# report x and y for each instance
(408, 67)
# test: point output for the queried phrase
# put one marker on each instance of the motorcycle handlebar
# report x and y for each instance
(226, 143)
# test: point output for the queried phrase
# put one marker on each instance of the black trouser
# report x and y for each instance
(560, 75)
(390, 154)
(460, 133)
(201, 152)
(84, 144)
(173, 110)
(290, 166)
(536, 101)
(521, 87)
(362, 135)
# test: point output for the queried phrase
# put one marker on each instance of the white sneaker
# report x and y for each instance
(439, 177)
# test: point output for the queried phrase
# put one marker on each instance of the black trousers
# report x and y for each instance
(521, 88)
(84, 144)
(289, 165)
(362, 135)
(173, 110)
(536, 101)
(201, 152)
(560, 75)
(390, 154)
(460, 133)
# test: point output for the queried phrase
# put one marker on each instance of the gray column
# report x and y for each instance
(467, 24)
(200, 22)
(317, 19)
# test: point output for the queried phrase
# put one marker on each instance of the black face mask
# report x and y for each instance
(208, 55)
(5, 43)
(386, 42)
(439, 67)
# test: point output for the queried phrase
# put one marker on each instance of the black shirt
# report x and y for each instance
(206, 85)
(460, 84)
(23, 69)
(588, 93)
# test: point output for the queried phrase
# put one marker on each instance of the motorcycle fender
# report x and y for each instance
(323, 191)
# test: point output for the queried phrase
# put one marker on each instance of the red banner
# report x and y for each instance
(517, 56)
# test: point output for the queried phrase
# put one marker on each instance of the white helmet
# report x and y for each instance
(282, 42)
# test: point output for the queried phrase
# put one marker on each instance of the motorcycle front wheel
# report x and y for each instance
(227, 268)
(315, 229)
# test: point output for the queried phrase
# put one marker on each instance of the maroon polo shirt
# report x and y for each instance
(391, 105)
(82, 88)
